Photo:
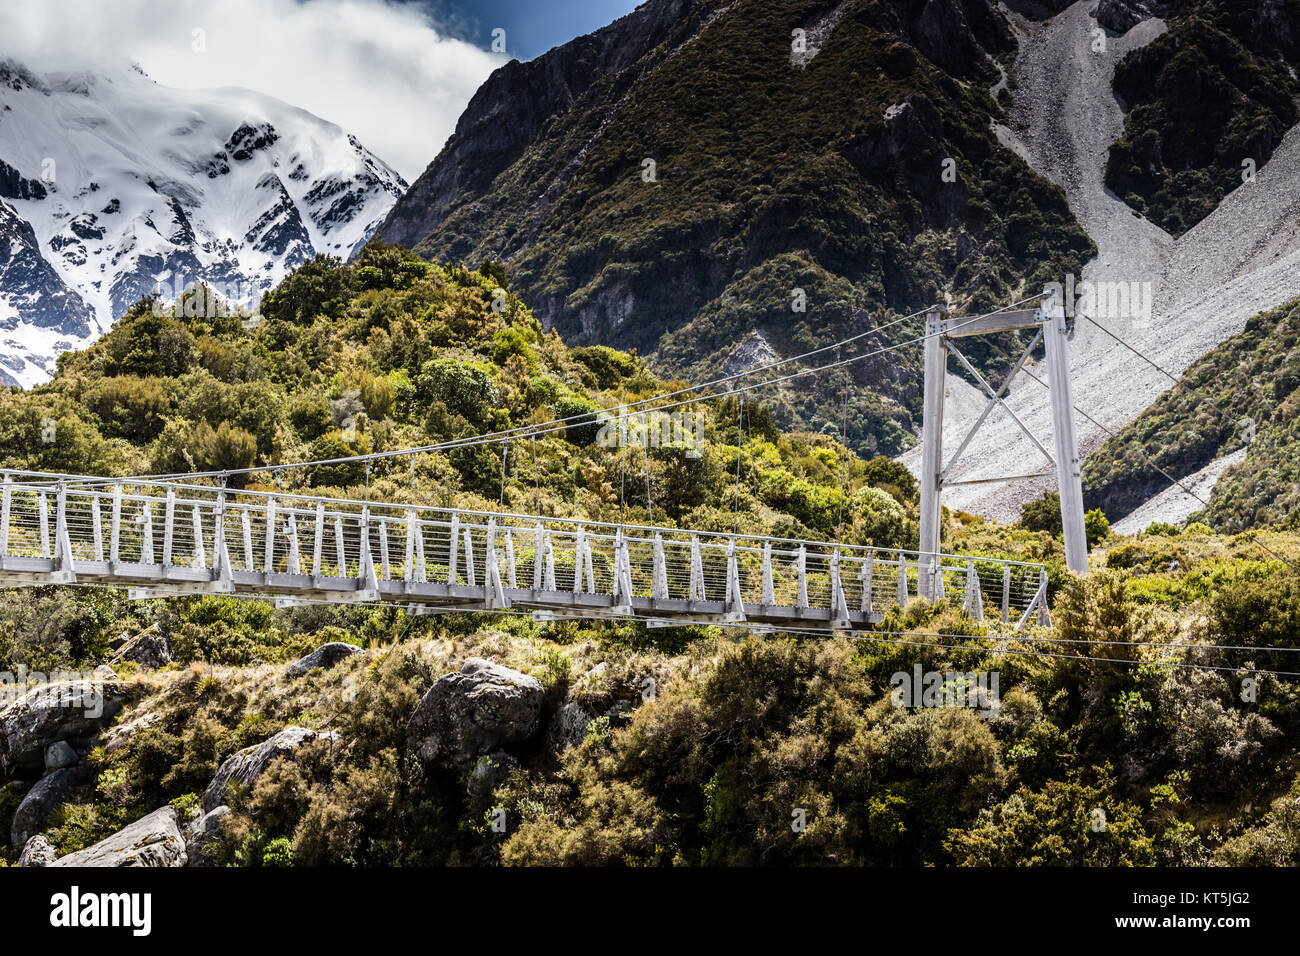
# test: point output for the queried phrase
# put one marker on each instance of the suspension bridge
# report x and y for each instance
(167, 538)
(168, 535)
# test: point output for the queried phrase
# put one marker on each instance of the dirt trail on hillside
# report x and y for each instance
(1243, 258)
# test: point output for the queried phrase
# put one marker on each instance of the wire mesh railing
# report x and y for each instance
(256, 541)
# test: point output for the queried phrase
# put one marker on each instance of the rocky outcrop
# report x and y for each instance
(154, 840)
(956, 35)
(72, 711)
(150, 649)
(250, 763)
(202, 834)
(37, 852)
(119, 735)
(59, 755)
(41, 802)
(327, 655)
(488, 771)
(511, 107)
(473, 712)
(1120, 16)
(568, 728)
(36, 295)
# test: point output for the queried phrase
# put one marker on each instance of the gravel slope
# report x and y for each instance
(1242, 259)
(1173, 505)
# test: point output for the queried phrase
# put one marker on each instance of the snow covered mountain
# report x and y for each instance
(113, 186)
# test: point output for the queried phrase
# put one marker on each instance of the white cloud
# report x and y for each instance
(380, 70)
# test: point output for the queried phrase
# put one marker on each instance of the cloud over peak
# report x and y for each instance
(381, 70)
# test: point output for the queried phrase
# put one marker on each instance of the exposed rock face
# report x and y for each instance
(327, 655)
(752, 351)
(474, 712)
(119, 735)
(66, 710)
(509, 109)
(154, 840)
(59, 755)
(568, 728)
(202, 833)
(37, 852)
(250, 763)
(952, 33)
(41, 803)
(37, 298)
(1122, 15)
(488, 771)
(151, 650)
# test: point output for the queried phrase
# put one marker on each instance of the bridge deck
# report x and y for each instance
(161, 538)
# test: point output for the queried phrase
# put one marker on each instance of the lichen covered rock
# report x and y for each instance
(154, 840)
(473, 712)
(250, 763)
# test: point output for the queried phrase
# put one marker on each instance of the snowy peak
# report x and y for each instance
(113, 186)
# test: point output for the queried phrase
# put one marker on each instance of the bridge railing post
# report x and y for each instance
(6, 505)
(115, 527)
(169, 527)
(268, 562)
(97, 529)
(43, 504)
(867, 577)
(318, 540)
(146, 533)
(200, 561)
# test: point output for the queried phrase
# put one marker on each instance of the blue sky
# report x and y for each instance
(532, 26)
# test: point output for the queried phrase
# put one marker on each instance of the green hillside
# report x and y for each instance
(1243, 393)
(768, 178)
(738, 732)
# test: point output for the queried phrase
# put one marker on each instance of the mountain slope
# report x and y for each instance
(673, 181)
(1240, 400)
(112, 186)
(1203, 287)
(1214, 92)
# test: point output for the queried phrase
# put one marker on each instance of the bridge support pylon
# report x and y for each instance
(942, 333)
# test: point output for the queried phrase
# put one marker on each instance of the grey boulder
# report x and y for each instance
(37, 852)
(59, 755)
(202, 834)
(327, 655)
(488, 771)
(250, 763)
(150, 650)
(154, 840)
(66, 710)
(474, 712)
(568, 728)
(41, 802)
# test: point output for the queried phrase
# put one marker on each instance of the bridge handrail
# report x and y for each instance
(754, 542)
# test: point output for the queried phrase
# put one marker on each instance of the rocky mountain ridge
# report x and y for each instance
(113, 186)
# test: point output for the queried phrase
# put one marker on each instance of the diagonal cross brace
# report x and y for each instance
(995, 399)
